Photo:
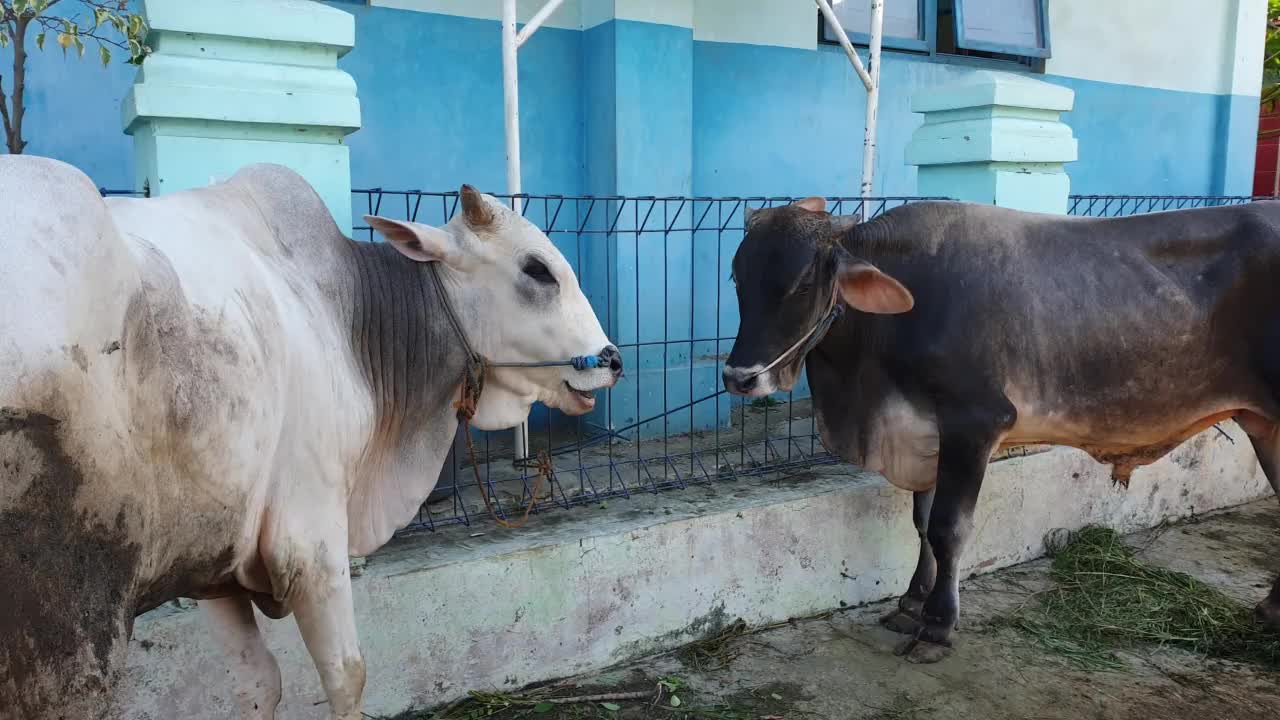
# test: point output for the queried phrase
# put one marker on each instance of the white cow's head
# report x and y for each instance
(518, 301)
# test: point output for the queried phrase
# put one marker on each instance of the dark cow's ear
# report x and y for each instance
(812, 204)
(475, 210)
(866, 288)
(416, 241)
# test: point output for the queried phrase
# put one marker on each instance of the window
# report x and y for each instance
(1002, 32)
(903, 23)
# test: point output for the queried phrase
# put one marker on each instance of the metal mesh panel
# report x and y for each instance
(1120, 205)
(657, 272)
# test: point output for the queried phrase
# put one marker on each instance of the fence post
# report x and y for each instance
(995, 138)
(220, 92)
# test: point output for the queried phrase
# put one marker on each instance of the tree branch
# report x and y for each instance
(16, 143)
(55, 25)
(4, 112)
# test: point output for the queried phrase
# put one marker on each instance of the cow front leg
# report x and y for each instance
(253, 667)
(326, 618)
(966, 439)
(906, 619)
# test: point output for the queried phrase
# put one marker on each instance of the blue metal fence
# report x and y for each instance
(656, 270)
(1119, 205)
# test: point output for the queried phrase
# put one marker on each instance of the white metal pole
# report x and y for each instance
(833, 22)
(511, 97)
(511, 112)
(536, 21)
(873, 105)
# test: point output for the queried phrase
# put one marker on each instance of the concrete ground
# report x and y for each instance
(843, 666)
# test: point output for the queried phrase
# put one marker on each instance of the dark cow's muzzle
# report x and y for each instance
(740, 381)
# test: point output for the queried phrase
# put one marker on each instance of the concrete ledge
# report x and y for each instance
(585, 588)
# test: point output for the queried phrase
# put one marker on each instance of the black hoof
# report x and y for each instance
(901, 622)
(1267, 615)
(922, 652)
(927, 653)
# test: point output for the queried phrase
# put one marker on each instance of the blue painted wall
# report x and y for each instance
(431, 95)
(73, 111)
(784, 121)
(763, 120)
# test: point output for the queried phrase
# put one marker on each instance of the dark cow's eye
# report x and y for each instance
(539, 271)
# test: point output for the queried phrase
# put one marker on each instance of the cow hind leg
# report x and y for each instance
(41, 678)
(1265, 436)
(253, 667)
(906, 619)
(66, 603)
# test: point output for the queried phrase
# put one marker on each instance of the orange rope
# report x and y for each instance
(466, 407)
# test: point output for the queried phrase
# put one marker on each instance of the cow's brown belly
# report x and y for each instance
(1126, 452)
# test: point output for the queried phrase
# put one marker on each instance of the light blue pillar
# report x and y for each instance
(641, 270)
(996, 138)
(222, 90)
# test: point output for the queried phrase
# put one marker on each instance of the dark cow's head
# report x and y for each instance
(791, 272)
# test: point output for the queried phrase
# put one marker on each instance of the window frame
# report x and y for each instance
(1023, 59)
(1039, 53)
(923, 44)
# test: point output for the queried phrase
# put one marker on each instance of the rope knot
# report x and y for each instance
(472, 386)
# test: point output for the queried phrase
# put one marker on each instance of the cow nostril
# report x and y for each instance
(735, 380)
(613, 359)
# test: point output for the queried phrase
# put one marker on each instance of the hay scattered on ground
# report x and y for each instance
(716, 652)
(1105, 599)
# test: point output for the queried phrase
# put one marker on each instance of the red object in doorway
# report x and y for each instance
(1265, 181)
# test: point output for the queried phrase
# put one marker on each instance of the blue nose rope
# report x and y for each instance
(578, 362)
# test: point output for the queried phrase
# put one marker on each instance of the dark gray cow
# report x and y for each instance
(971, 328)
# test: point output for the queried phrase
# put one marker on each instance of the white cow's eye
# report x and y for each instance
(539, 271)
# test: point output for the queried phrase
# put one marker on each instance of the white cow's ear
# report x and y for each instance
(416, 241)
(865, 287)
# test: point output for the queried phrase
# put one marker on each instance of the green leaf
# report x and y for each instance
(671, 683)
(105, 54)
(612, 707)
(20, 6)
(4, 39)
(79, 45)
(675, 701)
(40, 41)
(543, 707)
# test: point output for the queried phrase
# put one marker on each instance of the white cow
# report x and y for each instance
(217, 395)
